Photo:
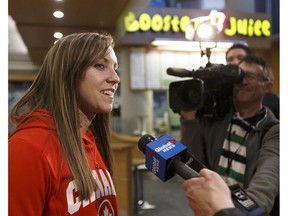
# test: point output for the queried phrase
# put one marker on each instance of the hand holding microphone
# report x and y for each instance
(206, 194)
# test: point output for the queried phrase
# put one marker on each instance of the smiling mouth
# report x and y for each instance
(108, 92)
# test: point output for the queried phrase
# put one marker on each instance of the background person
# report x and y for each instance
(236, 53)
(243, 146)
(59, 155)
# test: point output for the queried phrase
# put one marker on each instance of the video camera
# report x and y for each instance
(208, 91)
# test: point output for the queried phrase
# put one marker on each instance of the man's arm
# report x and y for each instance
(191, 134)
(264, 185)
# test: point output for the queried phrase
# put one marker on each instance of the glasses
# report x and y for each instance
(254, 76)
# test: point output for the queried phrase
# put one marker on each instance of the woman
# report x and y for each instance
(59, 155)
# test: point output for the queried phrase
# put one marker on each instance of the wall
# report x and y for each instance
(272, 55)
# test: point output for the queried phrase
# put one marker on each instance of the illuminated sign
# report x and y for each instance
(173, 23)
(155, 23)
(248, 27)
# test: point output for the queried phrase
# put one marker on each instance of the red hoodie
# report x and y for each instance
(40, 181)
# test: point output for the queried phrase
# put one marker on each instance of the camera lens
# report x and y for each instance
(186, 95)
(191, 96)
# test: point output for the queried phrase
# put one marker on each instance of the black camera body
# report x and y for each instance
(209, 91)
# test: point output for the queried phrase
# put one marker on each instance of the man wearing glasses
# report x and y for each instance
(243, 146)
(234, 55)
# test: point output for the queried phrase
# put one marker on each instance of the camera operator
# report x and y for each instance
(233, 56)
(243, 146)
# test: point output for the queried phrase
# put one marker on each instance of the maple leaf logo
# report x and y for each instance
(171, 140)
(106, 212)
(106, 209)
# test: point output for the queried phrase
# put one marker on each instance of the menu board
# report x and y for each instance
(148, 66)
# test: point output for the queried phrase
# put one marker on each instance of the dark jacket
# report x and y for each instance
(205, 140)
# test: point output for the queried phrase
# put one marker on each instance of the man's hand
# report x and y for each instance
(188, 115)
(208, 193)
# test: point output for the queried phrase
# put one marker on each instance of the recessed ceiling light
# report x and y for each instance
(58, 35)
(58, 14)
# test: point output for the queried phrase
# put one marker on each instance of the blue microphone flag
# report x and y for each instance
(160, 152)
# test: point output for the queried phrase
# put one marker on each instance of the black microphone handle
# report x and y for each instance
(180, 168)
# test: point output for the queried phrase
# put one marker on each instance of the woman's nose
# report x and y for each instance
(114, 78)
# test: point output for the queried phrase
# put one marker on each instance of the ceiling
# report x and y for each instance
(36, 25)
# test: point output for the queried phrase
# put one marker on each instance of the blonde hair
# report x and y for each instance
(56, 89)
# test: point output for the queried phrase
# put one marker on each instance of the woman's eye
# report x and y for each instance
(100, 66)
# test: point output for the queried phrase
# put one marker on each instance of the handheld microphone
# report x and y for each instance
(164, 156)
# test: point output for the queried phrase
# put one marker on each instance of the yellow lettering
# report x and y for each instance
(157, 23)
(167, 24)
(183, 23)
(242, 26)
(250, 28)
(246, 27)
(233, 27)
(131, 24)
(145, 22)
(175, 24)
(257, 28)
(266, 28)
